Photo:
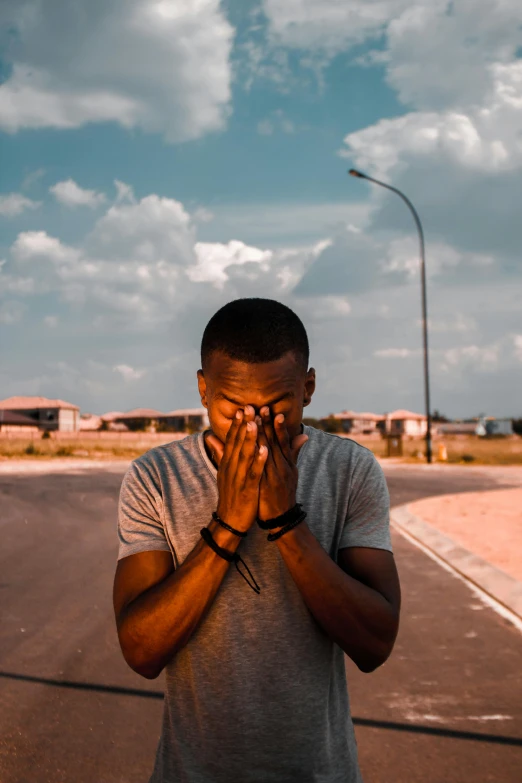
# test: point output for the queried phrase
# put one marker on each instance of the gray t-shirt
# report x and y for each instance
(259, 693)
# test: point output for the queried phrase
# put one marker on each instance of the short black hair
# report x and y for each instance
(255, 330)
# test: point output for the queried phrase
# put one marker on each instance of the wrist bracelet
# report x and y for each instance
(282, 519)
(241, 533)
(290, 526)
(232, 557)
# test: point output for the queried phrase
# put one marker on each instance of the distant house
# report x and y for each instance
(139, 419)
(46, 414)
(180, 420)
(17, 422)
(360, 423)
(484, 426)
(150, 420)
(110, 422)
(461, 428)
(498, 426)
(90, 422)
(404, 422)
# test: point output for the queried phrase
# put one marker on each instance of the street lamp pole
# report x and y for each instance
(355, 173)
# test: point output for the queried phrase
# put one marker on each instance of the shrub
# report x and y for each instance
(311, 422)
(332, 425)
(46, 435)
(31, 449)
(64, 451)
(467, 458)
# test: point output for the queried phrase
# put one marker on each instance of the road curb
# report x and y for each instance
(503, 588)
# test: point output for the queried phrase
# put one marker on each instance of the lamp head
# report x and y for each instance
(355, 173)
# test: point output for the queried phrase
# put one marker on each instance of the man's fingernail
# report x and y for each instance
(239, 413)
(280, 418)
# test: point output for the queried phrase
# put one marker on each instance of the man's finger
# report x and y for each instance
(282, 437)
(233, 433)
(275, 449)
(263, 441)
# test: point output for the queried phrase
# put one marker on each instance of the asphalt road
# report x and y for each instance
(446, 707)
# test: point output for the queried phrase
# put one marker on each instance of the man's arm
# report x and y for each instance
(356, 602)
(158, 608)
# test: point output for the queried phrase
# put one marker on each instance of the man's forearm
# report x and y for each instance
(359, 619)
(159, 623)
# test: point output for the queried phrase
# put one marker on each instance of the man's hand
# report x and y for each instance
(240, 466)
(278, 486)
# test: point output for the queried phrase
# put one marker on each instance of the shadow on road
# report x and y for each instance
(376, 724)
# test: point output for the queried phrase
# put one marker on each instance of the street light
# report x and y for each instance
(355, 173)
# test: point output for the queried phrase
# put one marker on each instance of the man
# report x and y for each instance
(255, 678)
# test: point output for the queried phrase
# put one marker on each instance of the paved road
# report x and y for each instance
(445, 708)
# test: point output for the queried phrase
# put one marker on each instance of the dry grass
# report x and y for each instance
(461, 449)
(90, 446)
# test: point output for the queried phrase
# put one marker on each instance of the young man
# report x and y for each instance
(254, 653)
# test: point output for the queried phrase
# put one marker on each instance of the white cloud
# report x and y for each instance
(483, 358)
(124, 192)
(51, 321)
(38, 245)
(129, 373)
(395, 353)
(202, 215)
(13, 204)
(160, 65)
(71, 194)
(152, 229)
(329, 25)
(214, 259)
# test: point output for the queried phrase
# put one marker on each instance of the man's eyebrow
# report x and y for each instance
(223, 396)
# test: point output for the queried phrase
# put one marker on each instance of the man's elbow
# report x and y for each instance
(137, 657)
(375, 658)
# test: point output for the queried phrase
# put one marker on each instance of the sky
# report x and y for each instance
(159, 158)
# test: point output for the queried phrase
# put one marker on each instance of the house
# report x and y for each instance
(17, 422)
(89, 422)
(486, 425)
(194, 419)
(139, 419)
(498, 426)
(46, 414)
(360, 423)
(407, 423)
(461, 428)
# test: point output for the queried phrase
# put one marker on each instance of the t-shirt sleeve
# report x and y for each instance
(140, 527)
(367, 522)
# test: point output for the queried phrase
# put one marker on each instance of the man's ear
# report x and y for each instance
(309, 387)
(202, 387)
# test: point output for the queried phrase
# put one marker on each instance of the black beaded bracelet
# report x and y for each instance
(282, 519)
(241, 533)
(290, 526)
(232, 557)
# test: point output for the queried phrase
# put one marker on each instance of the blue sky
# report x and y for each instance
(162, 158)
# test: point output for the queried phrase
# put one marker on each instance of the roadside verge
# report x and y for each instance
(500, 586)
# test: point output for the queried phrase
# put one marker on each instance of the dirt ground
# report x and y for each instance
(489, 524)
